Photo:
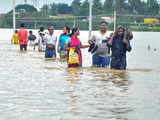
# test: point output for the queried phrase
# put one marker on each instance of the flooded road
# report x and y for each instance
(34, 89)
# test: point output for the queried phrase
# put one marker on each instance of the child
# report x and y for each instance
(15, 38)
(40, 42)
(31, 38)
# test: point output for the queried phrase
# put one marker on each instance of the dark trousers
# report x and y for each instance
(119, 63)
(23, 47)
(50, 52)
(99, 61)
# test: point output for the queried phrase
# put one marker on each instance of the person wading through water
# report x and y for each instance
(75, 43)
(23, 38)
(119, 44)
(62, 41)
(51, 40)
(99, 48)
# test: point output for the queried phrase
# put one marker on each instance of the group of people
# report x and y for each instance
(100, 45)
(118, 43)
(22, 38)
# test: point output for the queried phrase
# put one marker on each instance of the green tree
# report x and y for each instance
(135, 6)
(27, 8)
(53, 9)
(76, 6)
(153, 7)
(97, 7)
(24, 8)
(120, 6)
(108, 5)
(64, 9)
(84, 11)
(45, 10)
(142, 8)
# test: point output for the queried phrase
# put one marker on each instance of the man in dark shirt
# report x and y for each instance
(119, 46)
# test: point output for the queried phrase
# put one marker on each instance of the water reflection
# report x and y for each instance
(120, 106)
(35, 89)
(71, 78)
(105, 93)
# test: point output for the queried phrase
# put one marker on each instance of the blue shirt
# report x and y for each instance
(31, 37)
(63, 38)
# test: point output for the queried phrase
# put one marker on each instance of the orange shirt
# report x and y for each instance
(22, 36)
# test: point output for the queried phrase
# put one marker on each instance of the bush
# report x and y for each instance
(157, 25)
(156, 29)
(140, 28)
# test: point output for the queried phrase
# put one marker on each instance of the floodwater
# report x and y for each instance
(34, 89)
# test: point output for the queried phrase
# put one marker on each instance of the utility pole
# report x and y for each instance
(90, 18)
(115, 15)
(14, 15)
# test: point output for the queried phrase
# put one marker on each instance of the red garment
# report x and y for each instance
(22, 36)
(74, 41)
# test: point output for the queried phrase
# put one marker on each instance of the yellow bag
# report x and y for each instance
(73, 57)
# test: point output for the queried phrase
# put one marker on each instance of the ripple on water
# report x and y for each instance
(33, 88)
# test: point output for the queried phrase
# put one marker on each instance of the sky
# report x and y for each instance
(7, 5)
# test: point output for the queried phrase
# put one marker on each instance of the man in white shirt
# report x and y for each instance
(99, 48)
(51, 41)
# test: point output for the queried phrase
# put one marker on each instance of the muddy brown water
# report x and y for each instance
(32, 88)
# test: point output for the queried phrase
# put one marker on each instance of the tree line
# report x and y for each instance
(128, 11)
(78, 8)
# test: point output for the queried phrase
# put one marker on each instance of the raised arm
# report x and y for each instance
(111, 39)
(126, 42)
(129, 35)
